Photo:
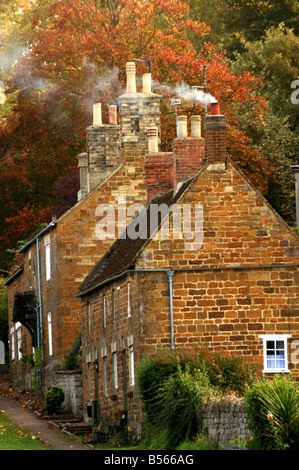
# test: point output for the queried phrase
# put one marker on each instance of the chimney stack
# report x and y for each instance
(188, 152)
(215, 126)
(131, 77)
(138, 110)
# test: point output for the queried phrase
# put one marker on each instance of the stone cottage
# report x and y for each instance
(44, 312)
(206, 261)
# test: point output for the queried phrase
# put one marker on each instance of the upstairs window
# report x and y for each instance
(129, 299)
(48, 257)
(275, 353)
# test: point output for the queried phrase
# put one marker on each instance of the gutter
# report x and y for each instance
(42, 232)
(170, 273)
(14, 276)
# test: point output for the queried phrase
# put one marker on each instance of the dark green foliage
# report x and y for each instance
(174, 384)
(54, 399)
(73, 360)
(273, 412)
(178, 406)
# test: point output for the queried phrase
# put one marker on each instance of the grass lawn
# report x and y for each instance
(14, 437)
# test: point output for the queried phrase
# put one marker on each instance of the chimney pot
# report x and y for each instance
(195, 126)
(97, 114)
(131, 77)
(215, 109)
(152, 136)
(147, 83)
(182, 127)
(113, 115)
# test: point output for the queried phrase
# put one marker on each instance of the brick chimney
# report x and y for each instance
(158, 167)
(215, 127)
(188, 152)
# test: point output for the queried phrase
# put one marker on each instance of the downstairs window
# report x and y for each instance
(275, 353)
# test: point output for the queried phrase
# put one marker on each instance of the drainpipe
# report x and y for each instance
(40, 316)
(170, 275)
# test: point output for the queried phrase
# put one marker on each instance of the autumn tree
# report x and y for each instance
(76, 56)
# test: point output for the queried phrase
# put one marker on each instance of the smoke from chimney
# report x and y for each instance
(193, 94)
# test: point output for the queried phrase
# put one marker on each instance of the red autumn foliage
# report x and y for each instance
(77, 57)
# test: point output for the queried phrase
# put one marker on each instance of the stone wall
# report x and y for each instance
(225, 421)
(71, 384)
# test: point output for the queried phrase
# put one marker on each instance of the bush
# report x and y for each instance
(74, 360)
(174, 384)
(227, 373)
(273, 411)
(54, 399)
(178, 405)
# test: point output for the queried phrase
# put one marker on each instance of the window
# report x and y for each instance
(104, 308)
(50, 334)
(12, 333)
(131, 360)
(48, 262)
(131, 365)
(19, 341)
(118, 302)
(113, 304)
(129, 299)
(115, 376)
(275, 353)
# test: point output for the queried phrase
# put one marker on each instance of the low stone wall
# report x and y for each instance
(71, 384)
(225, 420)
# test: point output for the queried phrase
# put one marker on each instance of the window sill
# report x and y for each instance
(276, 371)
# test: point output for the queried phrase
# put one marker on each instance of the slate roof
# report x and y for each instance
(124, 251)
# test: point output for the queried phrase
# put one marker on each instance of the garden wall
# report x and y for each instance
(71, 384)
(225, 421)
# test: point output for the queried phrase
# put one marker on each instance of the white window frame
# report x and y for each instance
(48, 261)
(275, 338)
(113, 304)
(131, 360)
(115, 372)
(129, 299)
(131, 365)
(19, 340)
(50, 337)
(104, 307)
(12, 348)
(118, 302)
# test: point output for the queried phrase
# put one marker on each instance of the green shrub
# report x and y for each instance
(54, 399)
(73, 361)
(174, 384)
(178, 405)
(226, 372)
(273, 411)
